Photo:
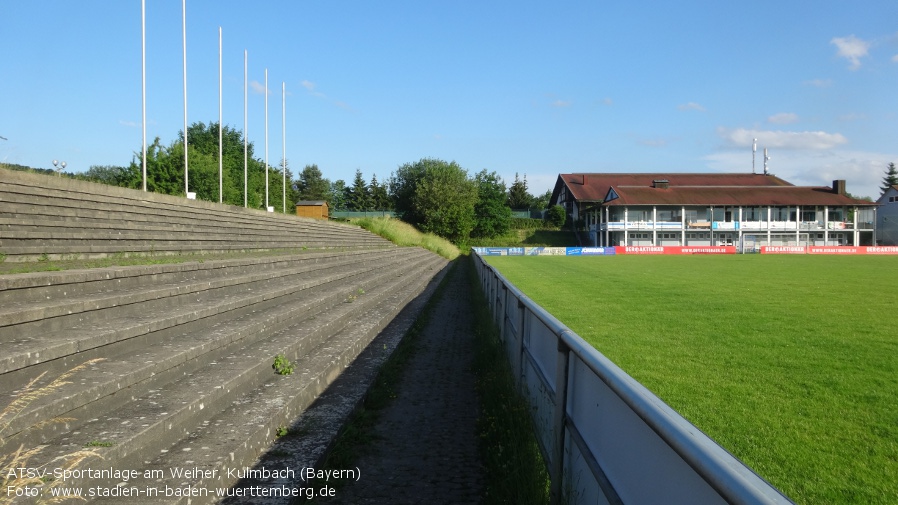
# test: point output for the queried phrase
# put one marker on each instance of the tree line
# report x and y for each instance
(437, 196)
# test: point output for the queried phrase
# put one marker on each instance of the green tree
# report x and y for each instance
(891, 178)
(556, 216)
(128, 177)
(338, 195)
(542, 202)
(359, 198)
(313, 186)
(444, 199)
(518, 197)
(380, 198)
(404, 184)
(492, 217)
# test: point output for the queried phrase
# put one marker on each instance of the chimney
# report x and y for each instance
(839, 187)
(661, 184)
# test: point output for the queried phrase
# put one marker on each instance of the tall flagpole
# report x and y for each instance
(244, 129)
(184, 39)
(143, 73)
(266, 140)
(220, 127)
(284, 129)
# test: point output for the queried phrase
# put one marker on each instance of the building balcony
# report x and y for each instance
(744, 226)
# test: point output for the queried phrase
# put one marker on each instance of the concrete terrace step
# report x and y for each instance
(151, 422)
(232, 439)
(58, 297)
(64, 218)
(176, 338)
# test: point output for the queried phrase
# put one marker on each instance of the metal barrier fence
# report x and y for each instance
(605, 437)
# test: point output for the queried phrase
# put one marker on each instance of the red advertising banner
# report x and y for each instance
(829, 250)
(783, 249)
(675, 250)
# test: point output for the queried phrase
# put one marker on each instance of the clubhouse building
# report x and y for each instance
(747, 211)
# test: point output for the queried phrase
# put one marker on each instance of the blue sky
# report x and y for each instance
(535, 88)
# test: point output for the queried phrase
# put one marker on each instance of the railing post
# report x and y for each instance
(519, 354)
(556, 466)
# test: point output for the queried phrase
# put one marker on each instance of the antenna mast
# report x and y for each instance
(754, 149)
(766, 159)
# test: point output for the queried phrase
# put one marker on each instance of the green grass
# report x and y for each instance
(789, 362)
(514, 466)
(528, 238)
(404, 234)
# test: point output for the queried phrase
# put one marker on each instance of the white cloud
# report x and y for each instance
(782, 139)
(129, 124)
(561, 103)
(783, 118)
(862, 171)
(819, 83)
(656, 142)
(258, 88)
(895, 58)
(852, 49)
(691, 106)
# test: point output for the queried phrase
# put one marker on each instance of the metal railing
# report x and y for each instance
(605, 437)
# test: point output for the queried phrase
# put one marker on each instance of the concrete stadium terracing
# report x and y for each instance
(179, 356)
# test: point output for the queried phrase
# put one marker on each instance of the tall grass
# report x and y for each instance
(790, 363)
(404, 234)
(22, 457)
(515, 470)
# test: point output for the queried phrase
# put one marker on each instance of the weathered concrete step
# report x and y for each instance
(155, 224)
(131, 371)
(45, 203)
(44, 286)
(95, 251)
(19, 307)
(154, 421)
(231, 440)
(19, 232)
(106, 223)
(91, 330)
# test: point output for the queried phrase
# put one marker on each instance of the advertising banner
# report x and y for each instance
(829, 250)
(705, 249)
(589, 251)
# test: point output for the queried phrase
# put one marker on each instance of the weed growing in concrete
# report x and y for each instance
(2, 257)
(282, 365)
(22, 458)
(282, 431)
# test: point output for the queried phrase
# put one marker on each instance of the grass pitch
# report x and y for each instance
(789, 362)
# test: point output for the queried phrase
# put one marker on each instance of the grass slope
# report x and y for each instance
(790, 363)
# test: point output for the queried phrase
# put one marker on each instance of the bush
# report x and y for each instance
(556, 216)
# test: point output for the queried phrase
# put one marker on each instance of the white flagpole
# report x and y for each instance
(220, 126)
(184, 40)
(266, 140)
(284, 129)
(244, 129)
(143, 73)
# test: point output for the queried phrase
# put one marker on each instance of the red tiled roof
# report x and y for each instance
(732, 196)
(697, 189)
(593, 187)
